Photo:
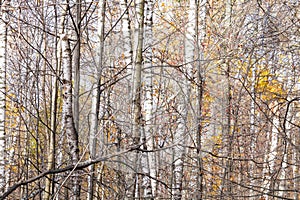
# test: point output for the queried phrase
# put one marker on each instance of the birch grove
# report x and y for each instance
(3, 39)
(143, 99)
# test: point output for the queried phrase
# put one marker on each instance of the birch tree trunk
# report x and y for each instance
(49, 182)
(296, 157)
(53, 124)
(287, 130)
(148, 158)
(3, 40)
(68, 122)
(201, 9)
(127, 56)
(61, 18)
(226, 186)
(283, 170)
(127, 45)
(76, 64)
(272, 155)
(136, 91)
(184, 102)
(180, 139)
(253, 28)
(191, 51)
(252, 126)
(94, 116)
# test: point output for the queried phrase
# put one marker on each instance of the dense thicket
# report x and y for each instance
(143, 99)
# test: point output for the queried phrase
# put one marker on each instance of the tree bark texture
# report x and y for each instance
(68, 122)
(148, 158)
(136, 91)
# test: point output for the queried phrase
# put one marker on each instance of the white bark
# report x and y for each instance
(127, 55)
(252, 109)
(252, 28)
(61, 30)
(67, 120)
(53, 124)
(200, 28)
(128, 63)
(178, 167)
(191, 49)
(179, 150)
(282, 176)
(136, 91)
(2, 99)
(126, 32)
(10, 157)
(226, 185)
(92, 138)
(182, 130)
(49, 182)
(295, 137)
(252, 127)
(190, 37)
(270, 158)
(96, 98)
(296, 156)
(295, 167)
(273, 145)
(148, 159)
